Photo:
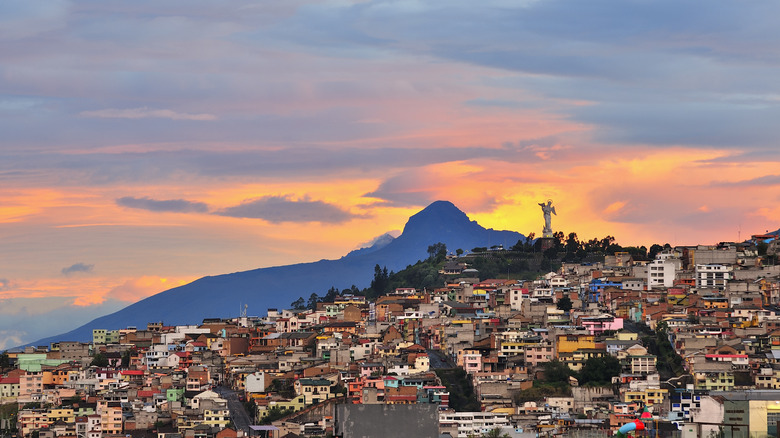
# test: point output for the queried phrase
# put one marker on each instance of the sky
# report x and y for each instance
(146, 144)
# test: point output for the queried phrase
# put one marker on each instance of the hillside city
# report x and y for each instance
(685, 337)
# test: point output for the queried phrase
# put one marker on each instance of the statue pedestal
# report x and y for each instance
(546, 243)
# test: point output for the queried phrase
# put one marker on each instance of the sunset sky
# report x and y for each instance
(144, 144)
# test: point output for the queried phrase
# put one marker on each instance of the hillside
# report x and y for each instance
(276, 287)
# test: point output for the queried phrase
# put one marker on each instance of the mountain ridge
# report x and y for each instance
(277, 286)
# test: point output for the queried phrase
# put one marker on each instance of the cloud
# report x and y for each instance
(11, 338)
(22, 19)
(766, 180)
(143, 113)
(278, 209)
(169, 205)
(5, 284)
(137, 289)
(423, 185)
(51, 315)
(78, 267)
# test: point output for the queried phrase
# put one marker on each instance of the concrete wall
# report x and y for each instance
(585, 397)
(387, 421)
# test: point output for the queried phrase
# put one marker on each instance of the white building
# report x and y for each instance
(516, 297)
(713, 275)
(661, 272)
(255, 382)
(472, 423)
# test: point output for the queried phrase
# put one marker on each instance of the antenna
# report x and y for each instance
(243, 312)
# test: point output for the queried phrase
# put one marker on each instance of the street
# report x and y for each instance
(238, 414)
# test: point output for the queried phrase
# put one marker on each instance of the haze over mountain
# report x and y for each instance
(223, 296)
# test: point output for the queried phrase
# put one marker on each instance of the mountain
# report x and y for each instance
(222, 296)
(378, 243)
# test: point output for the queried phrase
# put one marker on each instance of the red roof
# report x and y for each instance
(9, 380)
(132, 372)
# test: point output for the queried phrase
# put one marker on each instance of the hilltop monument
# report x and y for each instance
(547, 209)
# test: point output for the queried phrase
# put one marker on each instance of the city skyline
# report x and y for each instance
(147, 145)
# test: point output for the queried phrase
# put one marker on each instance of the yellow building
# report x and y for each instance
(295, 405)
(220, 417)
(65, 415)
(646, 397)
(569, 343)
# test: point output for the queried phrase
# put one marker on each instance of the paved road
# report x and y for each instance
(238, 414)
(439, 360)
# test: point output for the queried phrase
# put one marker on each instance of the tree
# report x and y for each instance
(459, 252)
(330, 295)
(565, 304)
(495, 433)
(298, 304)
(572, 243)
(5, 360)
(556, 371)
(380, 282)
(99, 360)
(600, 370)
(313, 300)
(654, 250)
(275, 413)
(126, 356)
(437, 251)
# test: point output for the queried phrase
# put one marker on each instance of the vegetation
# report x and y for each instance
(541, 390)
(564, 304)
(556, 372)
(99, 360)
(126, 355)
(599, 371)
(669, 364)
(9, 412)
(495, 433)
(298, 304)
(275, 413)
(283, 387)
(462, 396)
(5, 360)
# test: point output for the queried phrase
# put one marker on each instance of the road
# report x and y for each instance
(238, 414)
(439, 360)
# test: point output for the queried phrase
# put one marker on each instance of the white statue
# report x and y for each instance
(547, 209)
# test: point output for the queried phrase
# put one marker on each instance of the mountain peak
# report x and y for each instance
(433, 216)
(277, 286)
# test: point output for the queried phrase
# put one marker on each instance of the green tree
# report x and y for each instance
(330, 295)
(275, 413)
(126, 356)
(99, 360)
(437, 251)
(495, 433)
(564, 304)
(380, 283)
(459, 252)
(599, 370)
(313, 300)
(5, 360)
(298, 304)
(556, 371)
(654, 250)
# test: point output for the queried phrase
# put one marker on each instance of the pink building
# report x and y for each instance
(597, 325)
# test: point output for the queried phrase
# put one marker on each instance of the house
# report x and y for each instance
(313, 390)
